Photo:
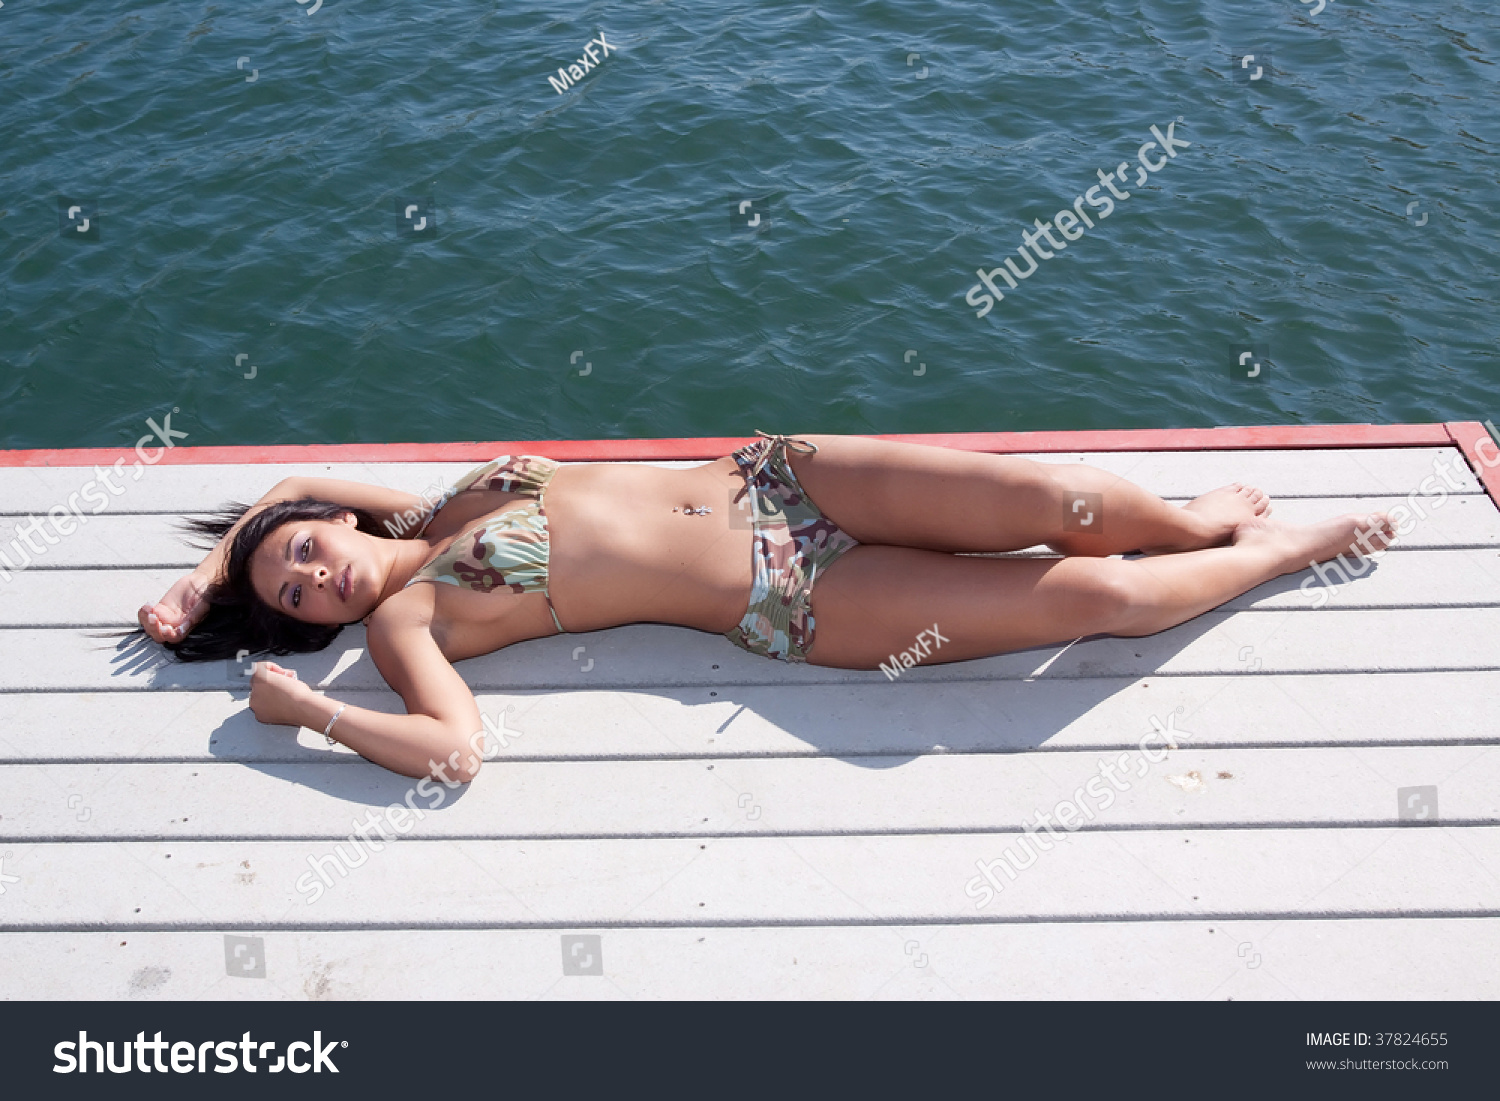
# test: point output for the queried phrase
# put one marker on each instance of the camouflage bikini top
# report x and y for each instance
(508, 551)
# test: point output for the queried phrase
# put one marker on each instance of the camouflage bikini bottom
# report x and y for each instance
(792, 542)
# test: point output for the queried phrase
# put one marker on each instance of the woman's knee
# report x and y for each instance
(1137, 604)
(1076, 510)
(1030, 492)
(1115, 600)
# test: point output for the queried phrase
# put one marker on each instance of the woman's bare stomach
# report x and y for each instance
(622, 549)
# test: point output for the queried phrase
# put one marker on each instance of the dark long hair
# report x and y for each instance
(237, 618)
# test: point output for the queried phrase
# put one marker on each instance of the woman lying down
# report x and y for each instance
(834, 550)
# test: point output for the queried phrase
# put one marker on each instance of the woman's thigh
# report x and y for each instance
(936, 498)
(877, 601)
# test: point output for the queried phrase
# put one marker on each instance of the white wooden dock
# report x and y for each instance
(728, 826)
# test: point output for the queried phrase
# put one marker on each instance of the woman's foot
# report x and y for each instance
(1300, 545)
(1217, 515)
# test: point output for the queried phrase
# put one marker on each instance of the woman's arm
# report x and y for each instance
(173, 616)
(440, 736)
(400, 513)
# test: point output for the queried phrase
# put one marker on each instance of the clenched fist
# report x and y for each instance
(277, 697)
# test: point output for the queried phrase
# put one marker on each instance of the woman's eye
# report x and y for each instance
(306, 543)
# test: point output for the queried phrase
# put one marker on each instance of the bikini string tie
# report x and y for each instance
(802, 447)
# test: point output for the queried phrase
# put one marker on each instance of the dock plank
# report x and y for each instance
(152, 540)
(799, 720)
(1240, 873)
(1439, 578)
(1132, 789)
(1311, 959)
(1329, 639)
(1289, 473)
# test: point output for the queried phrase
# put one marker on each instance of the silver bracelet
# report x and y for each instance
(328, 730)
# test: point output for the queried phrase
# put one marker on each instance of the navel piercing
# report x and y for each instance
(701, 510)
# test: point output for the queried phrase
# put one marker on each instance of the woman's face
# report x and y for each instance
(318, 571)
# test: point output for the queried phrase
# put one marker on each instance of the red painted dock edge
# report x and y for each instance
(1480, 448)
(1470, 437)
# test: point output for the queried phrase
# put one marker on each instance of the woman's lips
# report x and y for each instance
(345, 584)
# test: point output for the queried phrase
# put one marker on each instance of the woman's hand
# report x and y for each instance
(277, 697)
(175, 614)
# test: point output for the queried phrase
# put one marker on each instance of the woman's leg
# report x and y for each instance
(943, 499)
(876, 601)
